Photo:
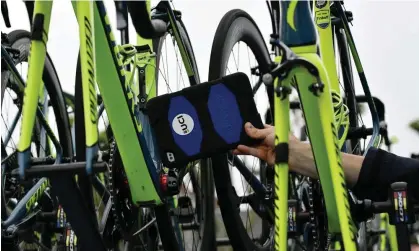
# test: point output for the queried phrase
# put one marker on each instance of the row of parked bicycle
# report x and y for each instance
(83, 171)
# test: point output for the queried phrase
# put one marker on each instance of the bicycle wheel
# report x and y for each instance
(195, 200)
(52, 105)
(235, 29)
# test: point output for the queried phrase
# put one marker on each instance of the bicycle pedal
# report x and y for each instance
(184, 210)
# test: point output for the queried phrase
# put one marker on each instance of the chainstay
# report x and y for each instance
(314, 219)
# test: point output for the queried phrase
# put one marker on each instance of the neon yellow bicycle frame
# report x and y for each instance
(99, 65)
(102, 65)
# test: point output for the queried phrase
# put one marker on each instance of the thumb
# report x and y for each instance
(255, 132)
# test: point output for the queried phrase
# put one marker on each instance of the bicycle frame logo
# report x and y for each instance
(36, 196)
(322, 18)
(91, 71)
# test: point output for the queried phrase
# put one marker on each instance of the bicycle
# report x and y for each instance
(333, 131)
(121, 209)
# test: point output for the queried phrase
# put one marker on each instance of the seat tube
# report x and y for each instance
(85, 18)
(149, 64)
(322, 19)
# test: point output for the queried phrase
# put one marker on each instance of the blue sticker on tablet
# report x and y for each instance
(225, 113)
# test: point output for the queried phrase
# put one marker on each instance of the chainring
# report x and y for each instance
(314, 202)
(124, 212)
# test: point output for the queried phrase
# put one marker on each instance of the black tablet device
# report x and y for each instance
(200, 121)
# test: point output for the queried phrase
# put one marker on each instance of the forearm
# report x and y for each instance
(302, 161)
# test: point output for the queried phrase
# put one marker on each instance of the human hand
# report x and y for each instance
(266, 149)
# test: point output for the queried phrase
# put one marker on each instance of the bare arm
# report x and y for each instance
(301, 158)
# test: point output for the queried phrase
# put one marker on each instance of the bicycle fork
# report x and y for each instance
(307, 74)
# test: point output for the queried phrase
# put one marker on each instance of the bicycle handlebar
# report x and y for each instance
(5, 14)
(143, 24)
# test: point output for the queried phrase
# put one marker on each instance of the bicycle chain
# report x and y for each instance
(109, 184)
(313, 212)
(313, 221)
(119, 221)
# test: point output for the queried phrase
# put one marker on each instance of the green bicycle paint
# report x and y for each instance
(392, 235)
(84, 13)
(319, 116)
(36, 61)
(115, 97)
(282, 128)
(322, 19)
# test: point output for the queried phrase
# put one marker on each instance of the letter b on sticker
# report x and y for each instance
(170, 157)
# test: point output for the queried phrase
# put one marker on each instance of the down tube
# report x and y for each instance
(120, 107)
(318, 113)
(282, 129)
(42, 14)
(84, 10)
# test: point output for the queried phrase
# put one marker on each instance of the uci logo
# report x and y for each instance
(183, 124)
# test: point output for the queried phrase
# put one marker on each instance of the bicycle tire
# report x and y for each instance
(166, 234)
(235, 26)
